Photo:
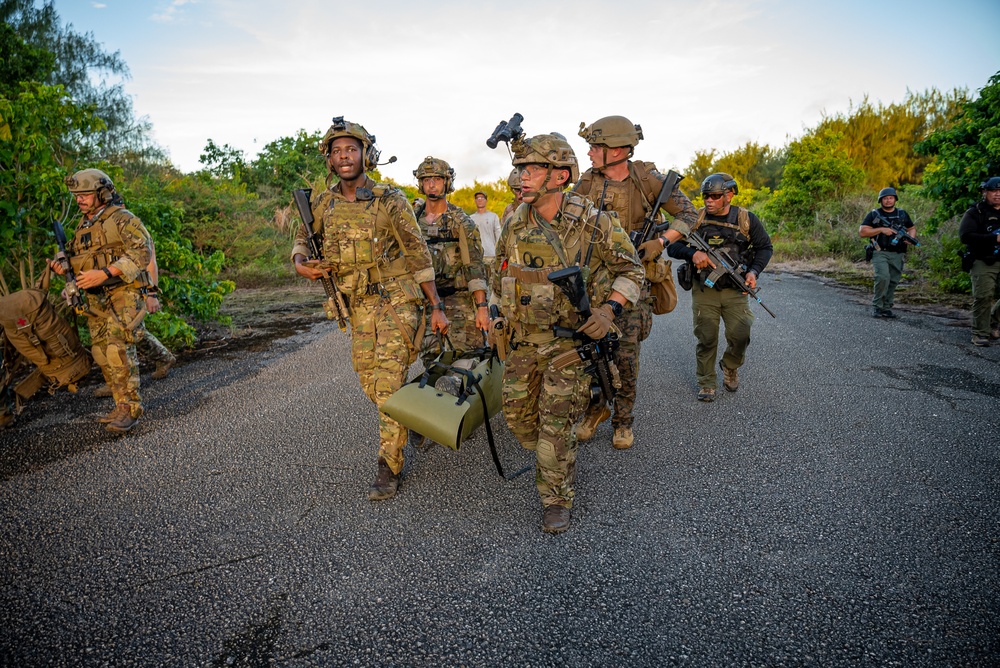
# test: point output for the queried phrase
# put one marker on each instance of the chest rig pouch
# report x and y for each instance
(534, 252)
(448, 244)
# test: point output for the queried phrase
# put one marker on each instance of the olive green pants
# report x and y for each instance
(888, 268)
(708, 306)
(985, 297)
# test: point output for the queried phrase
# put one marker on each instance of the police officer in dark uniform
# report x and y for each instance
(742, 236)
(980, 232)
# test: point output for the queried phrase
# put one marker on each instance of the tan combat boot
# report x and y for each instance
(163, 369)
(124, 421)
(385, 484)
(555, 519)
(623, 438)
(113, 415)
(730, 378)
(595, 416)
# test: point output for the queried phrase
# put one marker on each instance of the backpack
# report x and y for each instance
(44, 338)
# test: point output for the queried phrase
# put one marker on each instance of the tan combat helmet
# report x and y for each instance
(432, 166)
(611, 131)
(92, 181)
(514, 180)
(342, 128)
(551, 150)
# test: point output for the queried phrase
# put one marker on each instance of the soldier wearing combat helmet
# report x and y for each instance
(633, 187)
(457, 255)
(372, 245)
(109, 253)
(886, 249)
(514, 183)
(742, 236)
(980, 232)
(545, 385)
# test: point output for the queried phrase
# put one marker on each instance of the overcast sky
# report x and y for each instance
(435, 78)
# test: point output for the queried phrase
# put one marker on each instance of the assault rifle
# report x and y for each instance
(901, 236)
(649, 226)
(335, 306)
(71, 293)
(724, 266)
(597, 353)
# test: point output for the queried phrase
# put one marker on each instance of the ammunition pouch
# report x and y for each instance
(869, 252)
(968, 259)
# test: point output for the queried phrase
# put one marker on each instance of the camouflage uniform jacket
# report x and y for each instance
(456, 250)
(369, 242)
(632, 199)
(525, 257)
(113, 237)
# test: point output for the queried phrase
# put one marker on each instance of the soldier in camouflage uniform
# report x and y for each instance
(633, 187)
(372, 246)
(109, 253)
(545, 386)
(514, 183)
(149, 347)
(457, 256)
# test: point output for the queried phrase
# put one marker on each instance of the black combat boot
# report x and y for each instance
(385, 484)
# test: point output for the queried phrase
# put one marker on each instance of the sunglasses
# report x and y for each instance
(714, 196)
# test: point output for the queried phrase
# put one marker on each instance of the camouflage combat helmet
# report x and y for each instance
(992, 183)
(92, 181)
(514, 180)
(611, 131)
(885, 192)
(432, 166)
(342, 128)
(551, 149)
(719, 183)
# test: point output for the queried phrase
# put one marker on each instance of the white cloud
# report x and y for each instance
(171, 12)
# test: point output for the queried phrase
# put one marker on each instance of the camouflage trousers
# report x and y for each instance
(115, 324)
(462, 332)
(153, 350)
(708, 305)
(382, 331)
(542, 405)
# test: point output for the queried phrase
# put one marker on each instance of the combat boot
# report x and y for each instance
(995, 333)
(595, 416)
(385, 484)
(113, 415)
(163, 369)
(730, 378)
(623, 438)
(706, 394)
(124, 421)
(555, 519)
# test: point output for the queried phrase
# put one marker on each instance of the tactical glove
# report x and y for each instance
(599, 323)
(651, 249)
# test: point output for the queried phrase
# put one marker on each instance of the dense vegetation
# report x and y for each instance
(231, 221)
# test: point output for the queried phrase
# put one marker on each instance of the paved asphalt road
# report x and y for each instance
(841, 509)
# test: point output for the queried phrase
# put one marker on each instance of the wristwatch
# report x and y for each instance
(616, 308)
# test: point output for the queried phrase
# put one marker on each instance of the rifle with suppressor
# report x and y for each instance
(335, 306)
(598, 354)
(901, 236)
(71, 293)
(724, 266)
(649, 226)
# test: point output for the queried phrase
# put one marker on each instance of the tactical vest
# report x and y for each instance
(987, 222)
(98, 244)
(527, 296)
(733, 239)
(350, 234)
(448, 243)
(631, 199)
(895, 217)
